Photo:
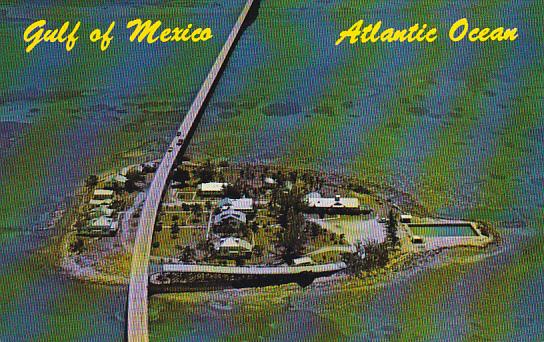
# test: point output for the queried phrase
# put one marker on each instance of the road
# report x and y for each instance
(137, 309)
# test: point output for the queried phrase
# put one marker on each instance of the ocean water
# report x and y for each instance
(460, 126)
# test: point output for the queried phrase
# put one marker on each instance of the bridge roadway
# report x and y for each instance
(137, 309)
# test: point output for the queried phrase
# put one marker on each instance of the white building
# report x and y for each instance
(405, 218)
(212, 189)
(333, 205)
(233, 247)
(102, 197)
(117, 180)
(239, 204)
(102, 210)
(101, 226)
(228, 216)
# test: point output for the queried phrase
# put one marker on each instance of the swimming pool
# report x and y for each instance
(442, 229)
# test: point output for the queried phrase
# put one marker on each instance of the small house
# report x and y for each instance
(233, 247)
(102, 197)
(239, 204)
(406, 218)
(101, 226)
(211, 189)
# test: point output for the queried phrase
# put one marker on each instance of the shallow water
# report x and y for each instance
(307, 105)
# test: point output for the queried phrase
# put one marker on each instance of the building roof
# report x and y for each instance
(270, 181)
(236, 204)
(233, 242)
(212, 187)
(302, 261)
(120, 178)
(101, 202)
(102, 221)
(103, 193)
(234, 214)
(117, 178)
(336, 202)
(103, 209)
(313, 195)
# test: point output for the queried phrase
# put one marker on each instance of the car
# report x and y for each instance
(180, 142)
(178, 133)
(382, 220)
(170, 149)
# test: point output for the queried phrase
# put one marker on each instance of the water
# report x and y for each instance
(473, 154)
(442, 230)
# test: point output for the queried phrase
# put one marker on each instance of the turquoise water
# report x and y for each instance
(443, 230)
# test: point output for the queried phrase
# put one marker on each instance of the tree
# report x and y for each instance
(196, 209)
(133, 177)
(254, 227)
(206, 173)
(91, 181)
(293, 238)
(77, 246)
(392, 228)
(313, 228)
(232, 191)
(376, 255)
(188, 254)
(367, 257)
(287, 201)
(175, 228)
(181, 175)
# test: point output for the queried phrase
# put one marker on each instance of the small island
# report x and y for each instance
(236, 226)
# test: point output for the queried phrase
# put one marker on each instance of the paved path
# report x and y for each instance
(344, 249)
(252, 270)
(137, 311)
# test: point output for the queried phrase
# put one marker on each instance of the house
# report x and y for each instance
(101, 226)
(116, 181)
(269, 182)
(333, 205)
(229, 216)
(102, 197)
(133, 168)
(102, 210)
(102, 194)
(233, 247)
(405, 218)
(240, 204)
(211, 189)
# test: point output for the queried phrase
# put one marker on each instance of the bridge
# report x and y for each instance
(137, 308)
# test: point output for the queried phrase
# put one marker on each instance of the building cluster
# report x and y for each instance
(102, 216)
(102, 222)
(231, 215)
